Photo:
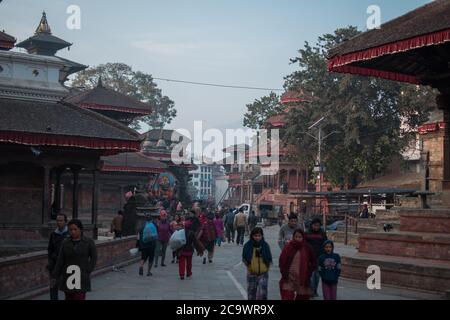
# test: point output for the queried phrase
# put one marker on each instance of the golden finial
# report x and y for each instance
(43, 25)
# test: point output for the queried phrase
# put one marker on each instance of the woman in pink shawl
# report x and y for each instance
(218, 223)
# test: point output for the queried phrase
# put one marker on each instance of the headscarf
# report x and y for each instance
(307, 259)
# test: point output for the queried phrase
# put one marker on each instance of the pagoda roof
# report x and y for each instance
(33, 123)
(103, 98)
(294, 96)
(155, 135)
(6, 41)
(278, 120)
(43, 42)
(132, 162)
(410, 48)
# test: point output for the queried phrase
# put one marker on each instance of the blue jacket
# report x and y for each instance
(329, 266)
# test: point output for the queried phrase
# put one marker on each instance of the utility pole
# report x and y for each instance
(320, 139)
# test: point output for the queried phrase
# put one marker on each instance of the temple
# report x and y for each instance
(45, 140)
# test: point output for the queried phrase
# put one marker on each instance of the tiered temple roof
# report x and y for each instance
(43, 42)
(110, 103)
(39, 123)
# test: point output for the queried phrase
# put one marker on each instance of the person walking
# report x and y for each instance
(329, 269)
(316, 237)
(257, 257)
(54, 246)
(208, 237)
(175, 225)
(116, 224)
(229, 225)
(240, 224)
(146, 243)
(287, 230)
(164, 233)
(252, 221)
(218, 223)
(297, 262)
(77, 254)
(186, 252)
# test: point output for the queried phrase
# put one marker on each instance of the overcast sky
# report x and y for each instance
(234, 42)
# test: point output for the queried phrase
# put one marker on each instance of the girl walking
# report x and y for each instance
(218, 223)
(187, 251)
(329, 270)
(297, 263)
(257, 257)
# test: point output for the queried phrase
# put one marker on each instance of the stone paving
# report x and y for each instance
(224, 279)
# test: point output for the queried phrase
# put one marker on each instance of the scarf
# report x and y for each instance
(57, 231)
(247, 252)
(307, 261)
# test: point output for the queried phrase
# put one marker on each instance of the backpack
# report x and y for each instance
(149, 233)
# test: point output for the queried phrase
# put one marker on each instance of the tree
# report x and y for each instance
(121, 78)
(373, 117)
(261, 109)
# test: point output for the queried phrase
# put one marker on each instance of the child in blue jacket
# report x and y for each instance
(329, 270)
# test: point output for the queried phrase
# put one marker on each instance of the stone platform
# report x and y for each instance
(416, 254)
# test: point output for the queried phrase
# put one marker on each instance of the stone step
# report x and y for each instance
(423, 220)
(392, 214)
(360, 229)
(418, 274)
(407, 244)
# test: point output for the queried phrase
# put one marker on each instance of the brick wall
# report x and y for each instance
(20, 194)
(27, 272)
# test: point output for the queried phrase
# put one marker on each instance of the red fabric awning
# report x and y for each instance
(110, 168)
(431, 127)
(35, 139)
(343, 63)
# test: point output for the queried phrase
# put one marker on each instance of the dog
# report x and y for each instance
(387, 227)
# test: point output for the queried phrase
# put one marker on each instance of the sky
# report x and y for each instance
(231, 42)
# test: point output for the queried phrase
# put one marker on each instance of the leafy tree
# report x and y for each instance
(261, 109)
(372, 118)
(139, 85)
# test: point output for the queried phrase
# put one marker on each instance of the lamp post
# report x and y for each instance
(319, 124)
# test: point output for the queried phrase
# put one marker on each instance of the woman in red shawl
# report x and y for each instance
(297, 262)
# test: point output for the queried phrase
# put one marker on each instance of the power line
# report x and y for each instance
(218, 85)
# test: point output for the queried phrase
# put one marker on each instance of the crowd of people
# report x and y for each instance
(306, 255)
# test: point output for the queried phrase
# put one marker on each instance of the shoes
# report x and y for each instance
(173, 261)
(210, 261)
(156, 265)
(181, 277)
(149, 274)
(204, 260)
(163, 265)
(189, 276)
(141, 271)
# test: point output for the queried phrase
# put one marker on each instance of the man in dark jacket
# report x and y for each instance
(316, 237)
(229, 225)
(54, 246)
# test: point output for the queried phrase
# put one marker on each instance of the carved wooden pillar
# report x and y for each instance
(95, 203)
(75, 192)
(46, 214)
